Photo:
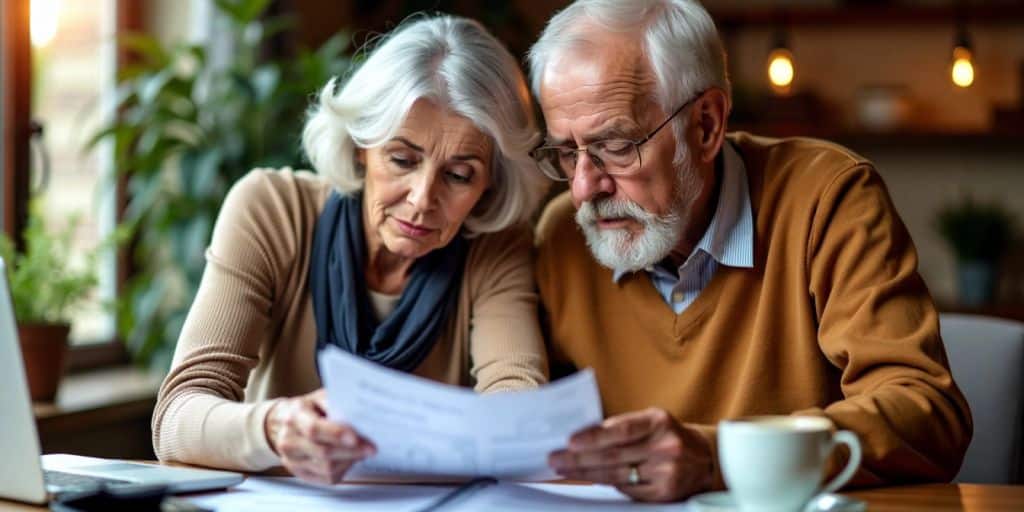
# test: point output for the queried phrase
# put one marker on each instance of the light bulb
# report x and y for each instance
(43, 16)
(962, 72)
(780, 69)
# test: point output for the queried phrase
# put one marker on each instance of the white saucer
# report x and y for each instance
(722, 502)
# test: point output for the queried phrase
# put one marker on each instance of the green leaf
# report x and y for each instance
(333, 47)
(110, 131)
(200, 169)
(243, 11)
(151, 86)
(147, 47)
(265, 81)
(278, 24)
(44, 286)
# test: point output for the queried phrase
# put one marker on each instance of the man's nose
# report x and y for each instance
(589, 181)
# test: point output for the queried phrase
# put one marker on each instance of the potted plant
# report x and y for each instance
(45, 289)
(979, 235)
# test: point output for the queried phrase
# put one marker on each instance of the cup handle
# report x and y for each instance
(849, 439)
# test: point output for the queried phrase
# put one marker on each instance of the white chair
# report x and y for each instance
(987, 358)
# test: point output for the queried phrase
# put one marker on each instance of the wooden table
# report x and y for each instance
(933, 497)
(941, 497)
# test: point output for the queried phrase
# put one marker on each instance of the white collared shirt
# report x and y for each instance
(729, 240)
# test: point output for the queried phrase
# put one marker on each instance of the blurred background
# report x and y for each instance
(125, 122)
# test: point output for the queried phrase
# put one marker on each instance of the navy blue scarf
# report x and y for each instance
(341, 301)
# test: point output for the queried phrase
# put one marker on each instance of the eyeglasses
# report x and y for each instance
(615, 157)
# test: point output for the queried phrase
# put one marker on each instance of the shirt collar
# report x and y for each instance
(729, 238)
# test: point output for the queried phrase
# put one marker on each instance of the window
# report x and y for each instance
(74, 55)
(47, 82)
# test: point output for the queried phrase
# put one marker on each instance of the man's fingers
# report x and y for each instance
(618, 430)
(616, 475)
(661, 482)
(643, 492)
(635, 453)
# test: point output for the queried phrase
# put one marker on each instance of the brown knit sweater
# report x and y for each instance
(250, 334)
(833, 319)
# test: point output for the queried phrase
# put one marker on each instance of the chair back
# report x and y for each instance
(986, 356)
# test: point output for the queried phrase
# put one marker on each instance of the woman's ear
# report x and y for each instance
(360, 160)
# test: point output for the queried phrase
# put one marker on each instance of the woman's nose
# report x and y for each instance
(423, 191)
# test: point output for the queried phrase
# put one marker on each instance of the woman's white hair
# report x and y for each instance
(455, 63)
(681, 44)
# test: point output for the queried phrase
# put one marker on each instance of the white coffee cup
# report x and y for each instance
(776, 463)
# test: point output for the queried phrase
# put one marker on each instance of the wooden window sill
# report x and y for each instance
(102, 413)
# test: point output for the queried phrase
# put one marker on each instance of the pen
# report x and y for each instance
(461, 492)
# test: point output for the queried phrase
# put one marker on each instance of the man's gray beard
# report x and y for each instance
(620, 249)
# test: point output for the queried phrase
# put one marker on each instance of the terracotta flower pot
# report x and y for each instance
(44, 348)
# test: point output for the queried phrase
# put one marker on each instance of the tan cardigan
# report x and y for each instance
(250, 334)
(833, 319)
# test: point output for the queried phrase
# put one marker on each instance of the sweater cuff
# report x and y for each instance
(230, 435)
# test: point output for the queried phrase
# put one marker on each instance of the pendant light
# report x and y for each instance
(781, 70)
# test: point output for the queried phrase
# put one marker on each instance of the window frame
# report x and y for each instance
(17, 100)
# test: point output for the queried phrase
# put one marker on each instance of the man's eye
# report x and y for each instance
(616, 147)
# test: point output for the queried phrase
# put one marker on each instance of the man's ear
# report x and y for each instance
(708, 119)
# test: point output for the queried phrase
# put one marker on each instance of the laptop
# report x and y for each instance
(27, 476)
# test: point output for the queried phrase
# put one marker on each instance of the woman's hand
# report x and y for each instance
(311, 446)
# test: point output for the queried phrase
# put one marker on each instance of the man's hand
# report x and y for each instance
(672, 461)
(312, 447)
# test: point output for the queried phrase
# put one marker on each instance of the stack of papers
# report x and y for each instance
(266, 494)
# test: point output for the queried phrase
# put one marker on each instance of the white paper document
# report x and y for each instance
(424, 428)
(258, 494)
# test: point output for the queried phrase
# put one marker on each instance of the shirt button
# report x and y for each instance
(677, 296)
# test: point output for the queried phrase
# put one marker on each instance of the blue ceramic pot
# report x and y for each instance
(976, 282)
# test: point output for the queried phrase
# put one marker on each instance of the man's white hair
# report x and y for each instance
(680, 42)
(455, 63)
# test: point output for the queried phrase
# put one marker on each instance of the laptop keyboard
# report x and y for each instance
(59, 481)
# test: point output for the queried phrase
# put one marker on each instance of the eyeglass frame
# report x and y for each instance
(585, 147)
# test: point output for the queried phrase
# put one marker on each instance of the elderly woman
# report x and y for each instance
(409, 248)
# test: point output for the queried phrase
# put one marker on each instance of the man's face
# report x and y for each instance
(603, 92)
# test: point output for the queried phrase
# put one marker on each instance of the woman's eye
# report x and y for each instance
(403, 162)
(460, 176)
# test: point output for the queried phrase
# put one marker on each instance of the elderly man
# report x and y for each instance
(727, 275)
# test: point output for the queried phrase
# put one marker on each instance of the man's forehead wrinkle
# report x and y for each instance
(596, 89)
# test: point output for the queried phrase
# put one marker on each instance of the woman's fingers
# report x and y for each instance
(311, 446)
(311, 423)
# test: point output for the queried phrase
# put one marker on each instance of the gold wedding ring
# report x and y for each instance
(634, 474)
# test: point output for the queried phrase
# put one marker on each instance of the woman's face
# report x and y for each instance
(422, 183)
